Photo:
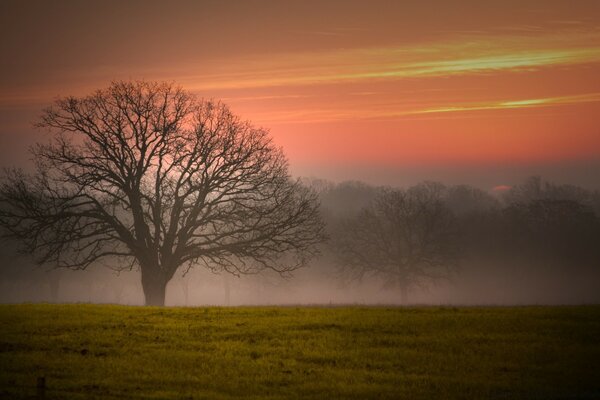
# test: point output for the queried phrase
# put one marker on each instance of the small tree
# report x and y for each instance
(146, 173)
(405, 237)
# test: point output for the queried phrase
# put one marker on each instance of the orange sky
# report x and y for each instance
(392, 92)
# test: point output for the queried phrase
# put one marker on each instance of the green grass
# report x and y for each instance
(95, 351)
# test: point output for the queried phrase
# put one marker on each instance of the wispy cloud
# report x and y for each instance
(509, 104)
(399, 111)
(265, 97)
(320, 33)
(469, 55)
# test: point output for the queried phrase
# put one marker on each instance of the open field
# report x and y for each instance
(96, 351)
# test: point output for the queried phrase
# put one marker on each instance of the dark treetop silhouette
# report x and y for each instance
(406, 237)
(146, 173)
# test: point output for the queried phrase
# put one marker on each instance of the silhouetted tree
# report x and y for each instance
(551, 222)
(147, 173)
(550, 232)
(406, 237)
(346, 198)
(476, 214)
(535, 188)
(468, 201)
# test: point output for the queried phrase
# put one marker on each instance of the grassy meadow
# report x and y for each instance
(100, 351)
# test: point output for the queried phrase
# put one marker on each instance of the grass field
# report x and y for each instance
(96, 351)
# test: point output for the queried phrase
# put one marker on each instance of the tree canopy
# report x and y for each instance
(406, 237)
(146, 174)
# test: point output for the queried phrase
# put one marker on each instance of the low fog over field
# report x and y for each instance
(533, 243)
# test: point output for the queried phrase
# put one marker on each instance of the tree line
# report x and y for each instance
(147, 176)
(417, 236)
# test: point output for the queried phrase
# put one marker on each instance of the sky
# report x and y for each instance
(389, 92)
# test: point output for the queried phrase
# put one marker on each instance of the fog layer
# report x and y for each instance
(534, 243)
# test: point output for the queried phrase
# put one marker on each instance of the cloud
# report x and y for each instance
(396, 111)
(509, 104)
(471, 54)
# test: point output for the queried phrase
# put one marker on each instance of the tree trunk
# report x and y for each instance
(154, 285)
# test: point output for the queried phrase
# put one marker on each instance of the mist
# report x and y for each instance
(505, 259)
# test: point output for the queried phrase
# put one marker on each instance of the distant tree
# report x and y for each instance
(464, 200)
(552, 232)
(346, 198)
(556, 223)
(475, 212)
(535, 188)
(405, 237)
(146, 173)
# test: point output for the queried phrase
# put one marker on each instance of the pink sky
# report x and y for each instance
(390, 92)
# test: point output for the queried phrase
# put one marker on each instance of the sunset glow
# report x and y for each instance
(390, 64)
(350, 88)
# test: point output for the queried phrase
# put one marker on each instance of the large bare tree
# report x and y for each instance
(144, 173)
(405, 237)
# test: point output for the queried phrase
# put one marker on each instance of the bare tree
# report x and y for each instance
(405, 237)
(146, 173)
